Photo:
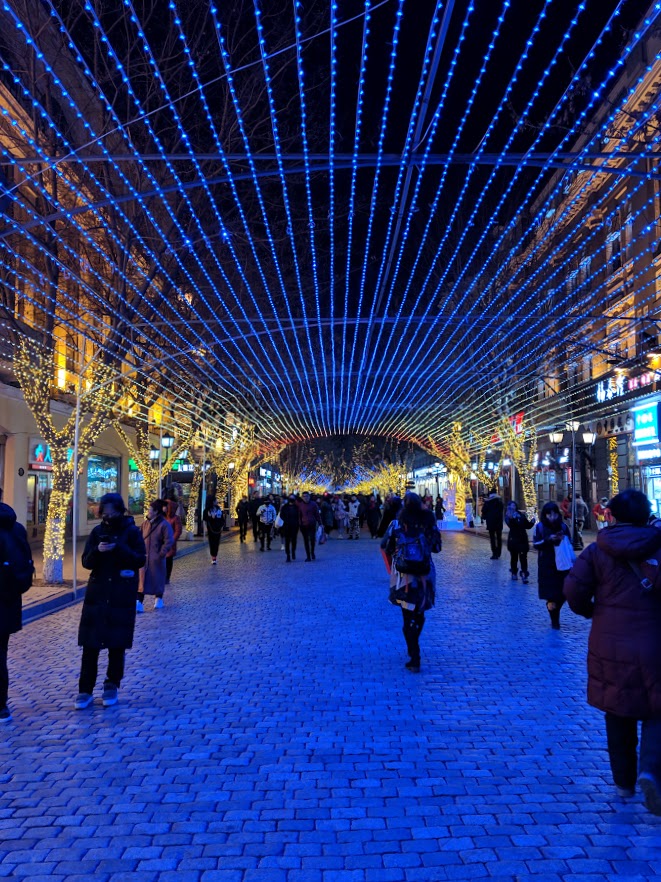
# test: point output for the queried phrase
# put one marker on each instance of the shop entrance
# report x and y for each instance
(40, 486)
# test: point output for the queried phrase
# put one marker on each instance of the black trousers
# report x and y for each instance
(243, 530)
(515, 558)
(291, 539)
(309, 539)
(255, 527)
(413, 624)
(496, 539)
(265, 533)
(4, 673)
(214, 542)
(622, 738)
(169, 563)
(89, 668)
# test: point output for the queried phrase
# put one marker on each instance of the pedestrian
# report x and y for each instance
(373, 517)
(327, 515)
(616, 582)
(214, 518)
(342, 518)
(309, 520)
(255, 503)
(439, 508)
(492, 514)
(410, 540)
(243, 517)
(177, 527)
(547, 536)
(354, 517)
(16, 572)
(599, 512)
(517, 541)
(266, 514)
(582, 513)
(114, 552)
(290, 523)
(157, 533)
(391, 508)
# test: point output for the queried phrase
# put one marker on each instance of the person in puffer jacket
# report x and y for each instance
(616, 582)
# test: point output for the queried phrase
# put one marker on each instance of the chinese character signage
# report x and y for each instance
(619, 385)
(646, 424)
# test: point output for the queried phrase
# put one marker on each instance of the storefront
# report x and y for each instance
(647, 446)
(39, 485)
(136, 496)
(103, 476)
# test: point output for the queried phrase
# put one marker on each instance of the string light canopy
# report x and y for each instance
(358, 219)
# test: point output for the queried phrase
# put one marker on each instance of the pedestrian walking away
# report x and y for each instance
(409, 542)
(517, 541)
(214, 518)
(157, 533)
(290, 523)
(174, 520)
(616, 582)
(115, 551)
(253, 506)
(16, 572)
(546, 537)
(243, 517)
(492, 514)
(309, 519)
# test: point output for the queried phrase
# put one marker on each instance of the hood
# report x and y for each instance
(625, 540)
(7, 516)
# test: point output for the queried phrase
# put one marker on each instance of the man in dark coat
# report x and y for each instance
(115, 552)
(492, 514)
(16, 571)
(309, 518)
(616, 582)
(254, 504)
(242, 517)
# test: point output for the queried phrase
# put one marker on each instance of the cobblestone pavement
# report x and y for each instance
(267, 731)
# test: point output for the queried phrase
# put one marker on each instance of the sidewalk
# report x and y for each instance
(588, 535)
(43, 599)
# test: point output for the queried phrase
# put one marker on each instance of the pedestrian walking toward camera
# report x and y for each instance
(410, 540)
(549, 533)
(157, 533)
(114, 552)
(373, 516)
(517, 541)
(266, 514)
(309, 520)
(253, 506)
(16, 572)
(354, 518)
(214, 518)
(599, 512)
(616, 582)
(290, 523)
(582, 514)
(243, 517)
(177, 528)
(492, 514)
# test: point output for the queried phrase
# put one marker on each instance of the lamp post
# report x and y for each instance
(573, 427)
(167, 441)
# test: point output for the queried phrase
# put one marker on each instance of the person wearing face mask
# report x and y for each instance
(290, 517)
(159, 539)
(114, 552)
(548, 534)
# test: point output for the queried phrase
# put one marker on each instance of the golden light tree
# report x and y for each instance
(457, 460)
(34, 372)
(521, 448)
(231, 459)
(484, 476)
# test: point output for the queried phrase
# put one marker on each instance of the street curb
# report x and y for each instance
(33, 612)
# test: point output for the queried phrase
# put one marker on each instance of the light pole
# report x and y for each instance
(573, 427)
(167, 441)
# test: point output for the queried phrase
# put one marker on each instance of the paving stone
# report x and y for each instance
(311, 754)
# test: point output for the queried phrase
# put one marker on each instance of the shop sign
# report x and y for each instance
(654, 471)
(619, 385)
(645, 453)
(40, 458)
(646, 424)
(516, 421)
(179, 466)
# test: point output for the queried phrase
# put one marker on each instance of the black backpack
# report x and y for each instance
(412, 554)
(16, 566)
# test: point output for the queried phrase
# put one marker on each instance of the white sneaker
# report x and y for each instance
(139, 607)
(158, 603)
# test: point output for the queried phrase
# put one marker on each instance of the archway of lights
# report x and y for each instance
(325, 218)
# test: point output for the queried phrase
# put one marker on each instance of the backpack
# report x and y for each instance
(412, 553)
(16, 566)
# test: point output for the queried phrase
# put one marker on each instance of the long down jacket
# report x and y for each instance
(108, 616)
(159, 539)
(15, 549)
(624, 649)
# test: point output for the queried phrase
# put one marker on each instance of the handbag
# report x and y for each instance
(279, 523)
(564, 555)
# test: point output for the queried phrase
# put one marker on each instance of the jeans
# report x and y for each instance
(413, 624)
(309, 539)
(4, 674)
(622, 736)
(515, 558)
(579, 532)
(90, 665)
(291, 538)
(496, 539)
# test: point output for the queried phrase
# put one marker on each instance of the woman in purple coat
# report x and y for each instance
(616, 582)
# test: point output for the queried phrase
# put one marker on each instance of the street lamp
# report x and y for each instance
(573, 427)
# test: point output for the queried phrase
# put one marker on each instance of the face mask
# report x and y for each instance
(111, 517)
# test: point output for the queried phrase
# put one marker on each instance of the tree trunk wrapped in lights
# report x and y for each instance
(484, 476)
(195, 487)
(140, 450)
(521, 448)
(34, 372)
(457, 461)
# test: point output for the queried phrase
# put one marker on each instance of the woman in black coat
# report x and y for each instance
(546, 538)
(16, 570)
(517, 541)
(114, 552)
